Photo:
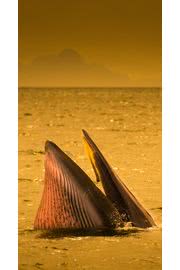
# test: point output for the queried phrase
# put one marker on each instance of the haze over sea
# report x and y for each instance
(125, 123)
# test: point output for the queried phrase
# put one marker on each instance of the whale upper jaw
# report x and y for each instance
(117, 192)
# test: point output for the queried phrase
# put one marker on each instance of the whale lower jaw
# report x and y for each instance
(70, 199)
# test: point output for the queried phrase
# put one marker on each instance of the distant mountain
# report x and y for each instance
(68, 68)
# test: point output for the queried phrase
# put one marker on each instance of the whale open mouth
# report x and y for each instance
(70, 200)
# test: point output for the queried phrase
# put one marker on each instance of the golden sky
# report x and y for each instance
(90, 43)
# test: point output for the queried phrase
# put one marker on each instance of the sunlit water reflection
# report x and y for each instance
(126, 125)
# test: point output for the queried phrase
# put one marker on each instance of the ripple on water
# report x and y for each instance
(76, 235)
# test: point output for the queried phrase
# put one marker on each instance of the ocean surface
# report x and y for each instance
(126, 126)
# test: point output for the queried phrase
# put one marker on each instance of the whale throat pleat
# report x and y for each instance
(70, 199)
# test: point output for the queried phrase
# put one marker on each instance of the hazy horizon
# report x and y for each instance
(85, 44)
(91, 87)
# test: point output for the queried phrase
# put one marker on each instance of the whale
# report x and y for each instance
(72, 201)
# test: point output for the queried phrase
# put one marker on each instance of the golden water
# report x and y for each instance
(126, 126)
